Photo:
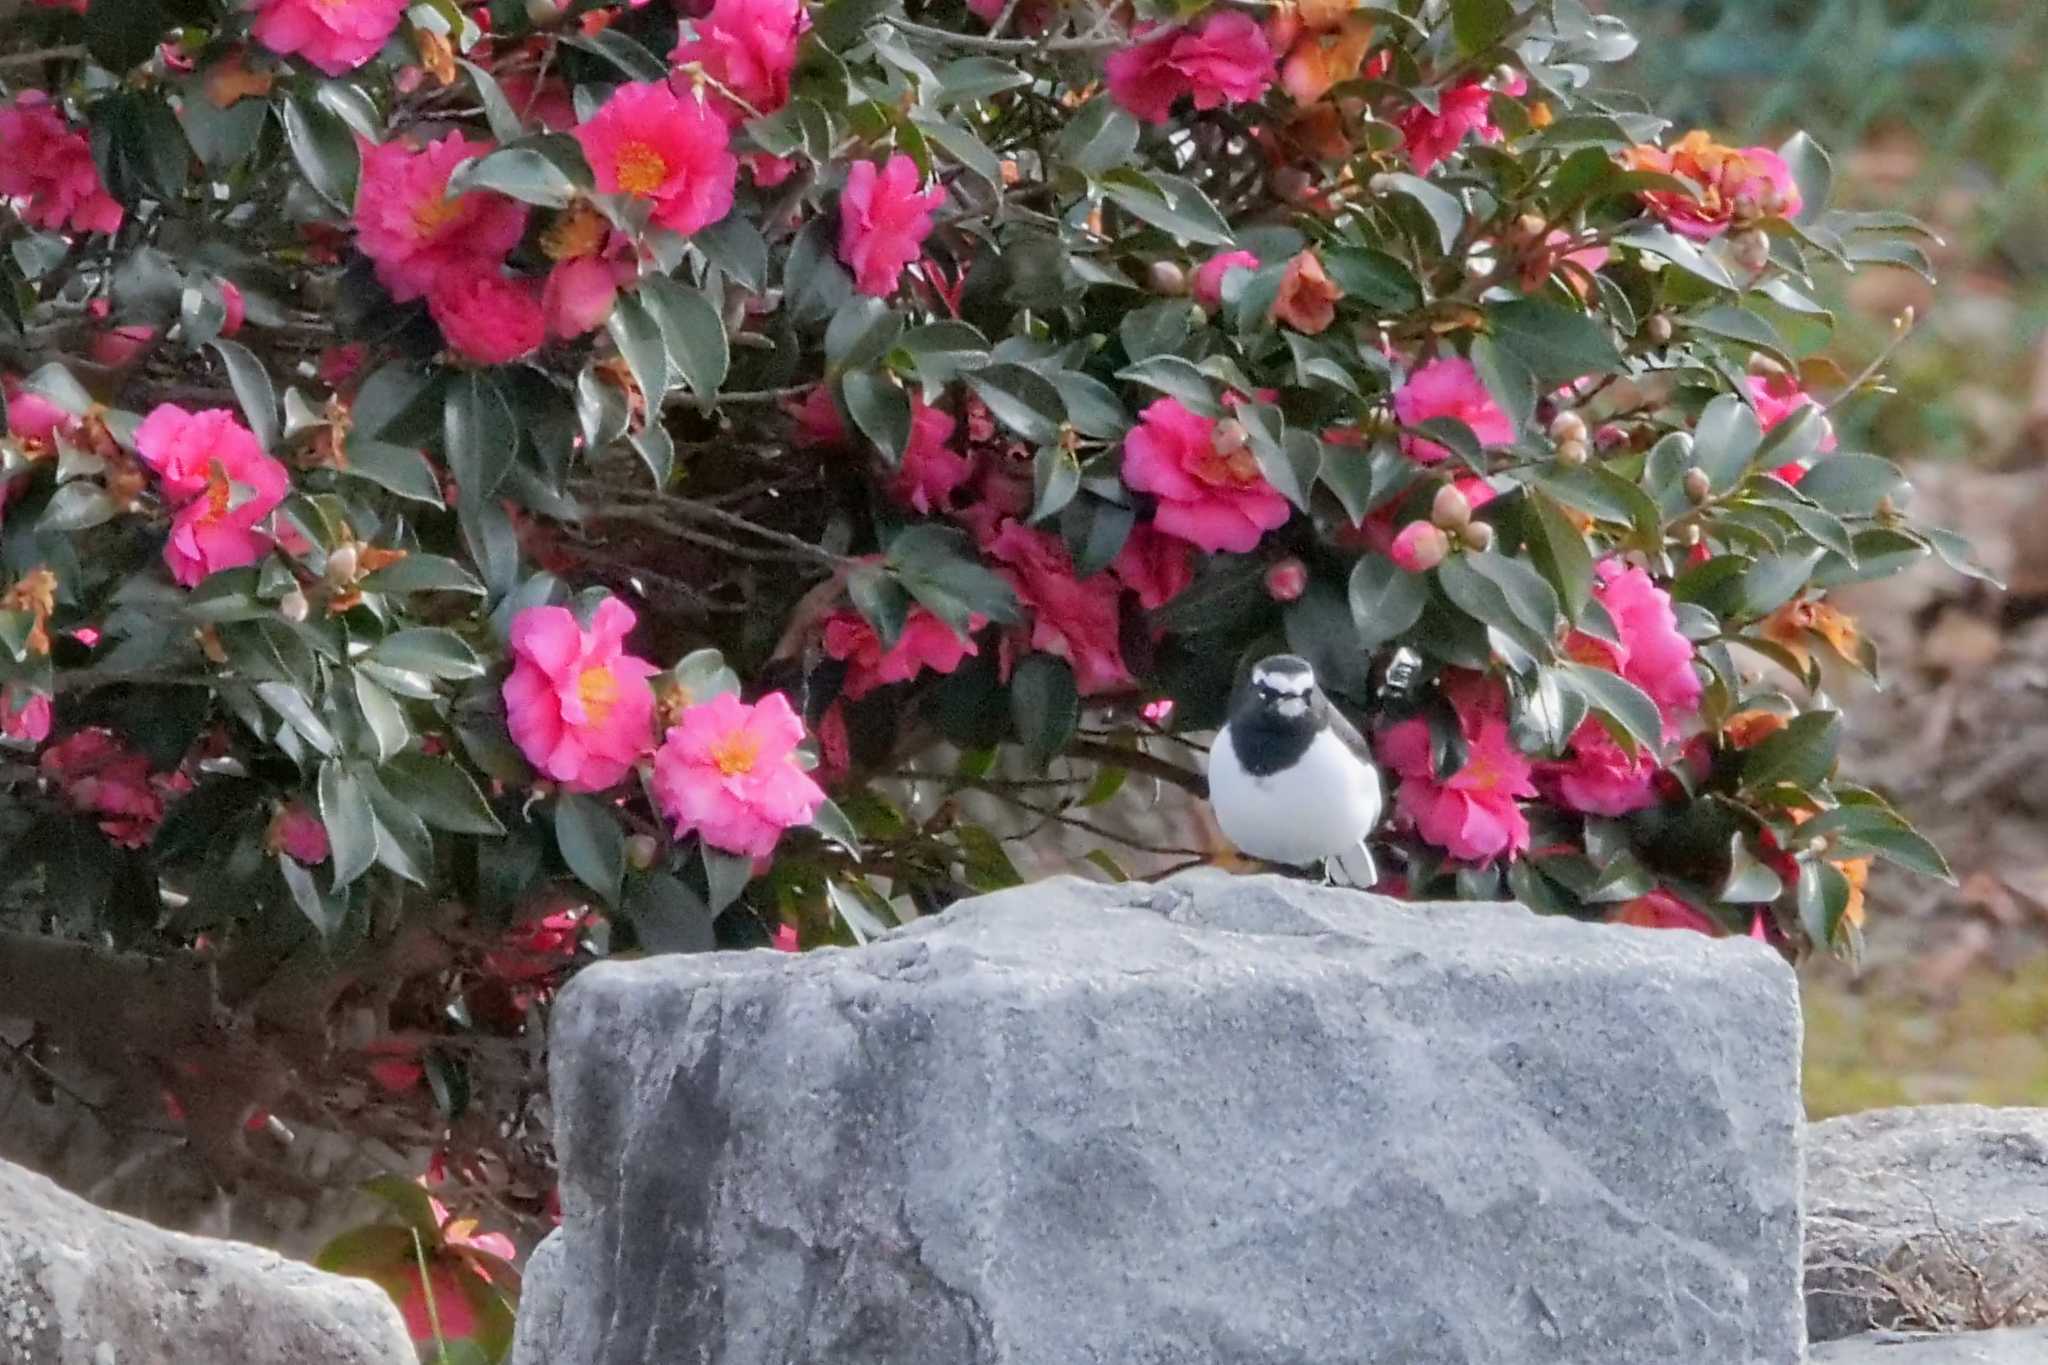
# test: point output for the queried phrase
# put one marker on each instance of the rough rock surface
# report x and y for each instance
(2018, 1346)
(80, 1286)
(1928, 1217)
(1218, 1120)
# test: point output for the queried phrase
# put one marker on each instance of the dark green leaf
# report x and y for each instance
(1776, 579)
(432, 650)
(944, 350)
(1099, 138)
(1169, 203)
(725, 875)
(441, 794)
(1045, 707)
(252, 390)
(591, 843)
(290, 703)
(523, 173)
(1801, 755)
(638, 335)
(1626, 710)
(627, 55)
(1373, 278)
(325, 149)
(1748, 882)
(880, 407)
(937, 566)
(1725, 440)
(480, 435)
(1554, 343)
(1385, 601)
(351, 825)
(1479, 24)
(692, 331)
(1811, 171)
(1022, 400)
(423, 573)
(1092, 408)
(1852, 484)
(668, 917)
(1055, 477)
(1290, 461)
(1443, 209)
(395, 469)
(1176, 378)
(1823, 900)
(1559, 552)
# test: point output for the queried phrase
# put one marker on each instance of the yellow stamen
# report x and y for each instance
(736, 753)
(598, 690)
(640, 168)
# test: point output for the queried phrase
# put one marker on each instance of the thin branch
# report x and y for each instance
(1085, 43)
(1138, 761)
(43, 54)
(664, 514)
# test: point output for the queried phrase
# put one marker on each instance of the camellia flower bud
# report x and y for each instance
(1420, 547)
(1658, 329)
(1751, 249)
(1572, 454)
(1697, 488)
(1164, 277)
(1477, 536)
(292, 606)
(341, 565)
(1567, 426)
(1451, 510)
(1286, 579)
(641, 851)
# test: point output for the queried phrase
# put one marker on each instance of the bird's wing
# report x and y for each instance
(1343, 729)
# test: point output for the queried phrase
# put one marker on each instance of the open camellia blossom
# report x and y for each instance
(577, 705)
(1071, 617)
(926, 643)
(24, 716)
(47, 170)
(223, 486)
(1154, 565)
(931, 470)
(671, 152)
(1222, 60)
(414, 231)
(1449, 387)
(1213, 499)
(727, 772)
(487, 316)
(1598, 776)
(1737, 185)
(335, 35)
(1652, 653)
(1472, 814)
(883, 220)
(749, 48)
(1465, 110)
(100, 776)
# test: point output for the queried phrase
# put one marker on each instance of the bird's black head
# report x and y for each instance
(1281, 692)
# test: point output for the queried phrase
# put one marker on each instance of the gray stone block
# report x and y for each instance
(80, 1286)
(1218, 1120)
(1928, 1217)
(2017, 1346)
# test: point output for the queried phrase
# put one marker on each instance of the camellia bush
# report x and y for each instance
(489, 487)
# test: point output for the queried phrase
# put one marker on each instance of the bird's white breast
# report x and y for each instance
(1319, 807)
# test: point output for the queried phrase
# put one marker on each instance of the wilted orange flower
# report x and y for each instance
(1791, 625)
(1747, 729)
(435, 55)
(230, 80)
(1736, 184)
(34, 592)
(1321, 60)
(1307, 300)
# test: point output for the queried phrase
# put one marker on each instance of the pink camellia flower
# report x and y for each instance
(1660, 909)
(218, 529)
(538, 949)
(215, 472)
(784, 939)
(673, 154)
(1156, 566)
(1465, 110)
(101, 776)
(1652, 653)
(183, 447)
(487, 317)
(47, 170)
(930, 470)
(578, 297)
(1777, 396)
(24, 715)
(1212, 498)
(883, 221)
(336, 36)
(1449, 387)
(1472, 814)
(926, 642)
(34, 419)
(1737, 185)
(1210, 274)
(413, 231)
(727, 772)
(749, 47)
(1073, 618)
(577, 705)
(1597, 777)
(1223, 60)
(297, 831)
(818, 423)
(1419, 547)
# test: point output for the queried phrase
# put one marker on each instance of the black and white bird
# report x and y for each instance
(1290, 779)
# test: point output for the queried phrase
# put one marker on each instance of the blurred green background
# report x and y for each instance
(1937, 107)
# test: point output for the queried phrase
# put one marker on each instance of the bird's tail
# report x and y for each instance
(1355, 868)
